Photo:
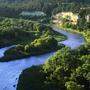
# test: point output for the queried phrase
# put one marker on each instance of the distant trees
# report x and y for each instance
(12, 8)
(16, 7)
(82, 20)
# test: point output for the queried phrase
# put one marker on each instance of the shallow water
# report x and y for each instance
(10, 71)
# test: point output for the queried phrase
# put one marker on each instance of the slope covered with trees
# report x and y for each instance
(66, 70)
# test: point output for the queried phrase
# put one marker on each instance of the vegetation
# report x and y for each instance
(73, 20)
(66, 70)
(30, 38)
(82, 23)
(10, 8)
(12, 31)
(38, 46)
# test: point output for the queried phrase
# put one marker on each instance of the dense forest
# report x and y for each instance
(37, 37)
(12, 8)
(66, 70)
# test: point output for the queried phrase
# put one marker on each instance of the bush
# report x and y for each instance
(73, 86)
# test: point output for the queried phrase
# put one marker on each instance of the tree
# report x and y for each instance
(81, 25)
(71, 85)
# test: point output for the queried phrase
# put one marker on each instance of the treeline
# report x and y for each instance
(79, 1)
(12, 8)
(31, 5)
(66, 70)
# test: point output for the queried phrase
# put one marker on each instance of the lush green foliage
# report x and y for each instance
(39, 46)
(66, 70)
(19, 31)
(34, 38)
(12, 31)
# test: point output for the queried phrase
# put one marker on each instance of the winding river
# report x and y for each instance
(10, 71)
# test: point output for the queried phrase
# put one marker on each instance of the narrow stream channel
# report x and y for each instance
(10, 71)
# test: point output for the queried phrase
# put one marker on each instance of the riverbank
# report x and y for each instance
(21, 31)
(37, 74)
(13, 69)
(74, 40)
(85, 33)
(45, 44)
(66, 68)
(19, 53)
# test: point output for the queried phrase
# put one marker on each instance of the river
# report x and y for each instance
(10, 71)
